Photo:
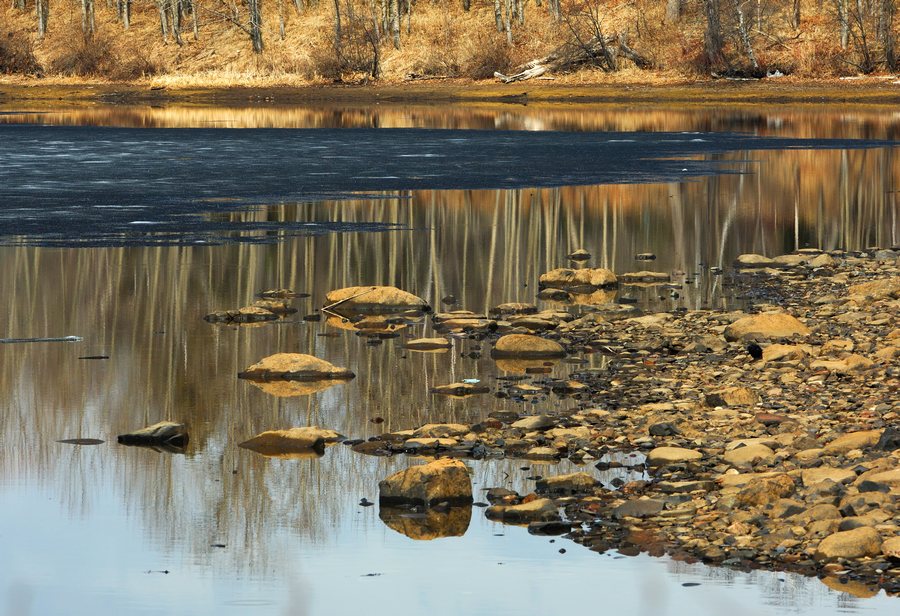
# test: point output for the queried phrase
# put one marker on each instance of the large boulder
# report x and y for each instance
(857, 543)
(580, 279)
(436, 482)
(294, 367)
(527, 346)
(772, 325)
(374, 299)
(275, 443)
(164, 433)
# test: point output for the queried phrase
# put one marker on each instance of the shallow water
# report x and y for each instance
(110, 529)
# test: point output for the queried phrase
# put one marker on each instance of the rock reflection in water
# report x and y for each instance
(432, 523)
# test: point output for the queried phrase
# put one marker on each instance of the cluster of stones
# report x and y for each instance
(270, 306)
(770, 434)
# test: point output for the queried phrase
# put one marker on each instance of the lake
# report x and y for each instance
(124, 226)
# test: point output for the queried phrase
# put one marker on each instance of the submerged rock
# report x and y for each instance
(526, 346)
(294, 367)
(460, 389)
(165, 433)
(443, 480)
(248, 314)
(374, 299)
(276, 443)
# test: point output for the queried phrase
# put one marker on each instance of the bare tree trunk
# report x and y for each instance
(195, 22)
(42, 7)
(745, 35)
(673, 10)
(280, 4)
(163, 22)
(255, 25)
(87, 17)
(713, 37)
(888, 9)
(408, 4)
(394, 10)
(124, 10)
(507, 20)
(175, 18)
(498, 15)
(337, 27)
(467, 4)
(844, 21)
(796, 20)
(19, 4)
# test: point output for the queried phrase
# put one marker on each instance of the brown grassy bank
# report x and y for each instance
(450, 52)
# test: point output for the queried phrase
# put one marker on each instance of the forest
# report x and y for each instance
(229, 42)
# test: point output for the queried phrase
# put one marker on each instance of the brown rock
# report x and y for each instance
(732, 396)
(764, 490)
(165, 433)
(581, 279)
(439, 481)
(526, 346)
(854, 440)
(772, 325)
(278, 443)
(856, 543)
(537, 510)
(428, 344)
(374, 299)
(663, 456)
(294, 367)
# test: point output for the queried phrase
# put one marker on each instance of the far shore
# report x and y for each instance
(880, 91)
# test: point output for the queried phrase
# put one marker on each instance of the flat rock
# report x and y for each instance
(573, 483)
(812, 476)
(374, 299)
(581, 279)
(166, 433)
(779, 352)
(732, 396)
(851, 364)
(535, 422)
(537, 510)
(512, 308)
(773, 325)
(856, 543)
(460, 389)
(891, 548)
(428, 344)
(644, 276)
(526, 346)
(754, 260)
(761, 491)
(662, 456)
(853, 440)
(891, 477)
(439, 481)
(275, 443)
(639, 508)
(876, 290)
(750, 455)
(294, 367)
(441, 430)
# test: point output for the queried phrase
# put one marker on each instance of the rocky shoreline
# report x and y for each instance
(764, 438)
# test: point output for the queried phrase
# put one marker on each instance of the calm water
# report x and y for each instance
(109, 529)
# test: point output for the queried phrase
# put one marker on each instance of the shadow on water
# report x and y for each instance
(231, 527)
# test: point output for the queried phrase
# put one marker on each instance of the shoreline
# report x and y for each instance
(867, 92)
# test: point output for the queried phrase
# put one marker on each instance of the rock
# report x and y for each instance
(582, 279)
(750, 455)
(431, 524)
(535, 422)
(891, 477)
(249, 314)
(526, 346)
(555, 295)
(875, 290)
(639, 508)
(812, 476)
(512, 308)
(428, 344)
(579, 255)
(537, 510)
(439, 481)
(891, 548)
(761, 491)
(429, 443)
(374, 300)
(732, 396)
(771, 325)
(644, 277)
(663, 456)
(279, 307)
(460, 389)
(849, 365)
(294, 367)
(542, 453)
(823, 260)
(753, 260)
(277, 443)
(280, 294)
(856, 543)
(573, 483)
(682, 487)
(889, 440)
(645, 256)
(854, 440)
(778, 352)
(441, 430)
(164, 433)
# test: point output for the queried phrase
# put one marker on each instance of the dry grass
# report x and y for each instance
(444, 43)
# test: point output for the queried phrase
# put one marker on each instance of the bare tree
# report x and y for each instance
(87, 18)
(712, 40)
(42, 9)
(673, 10)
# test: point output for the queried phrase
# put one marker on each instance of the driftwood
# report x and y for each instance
(599, 51)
